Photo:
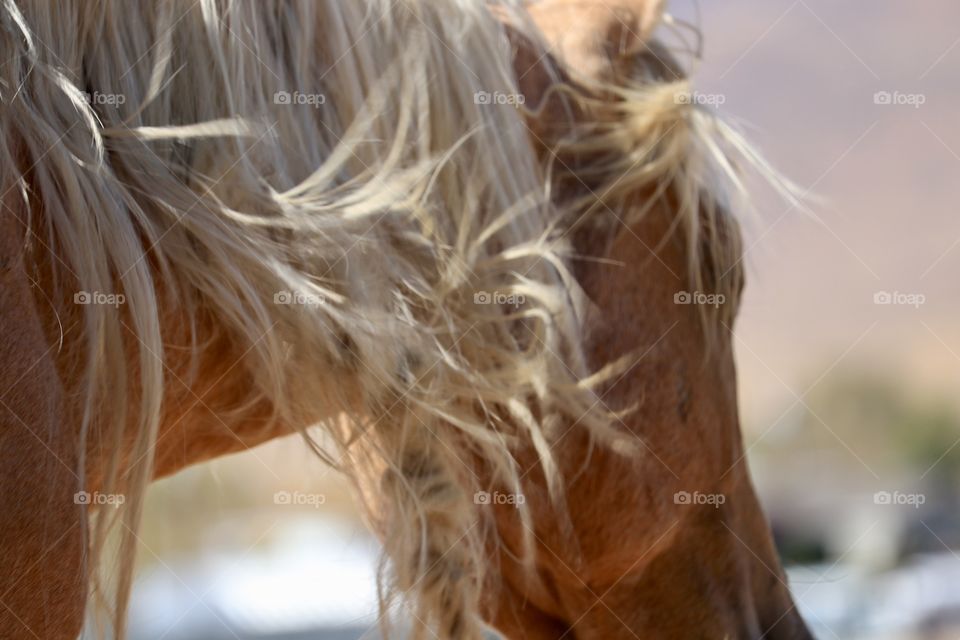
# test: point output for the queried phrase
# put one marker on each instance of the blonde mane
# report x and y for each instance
(220, 160)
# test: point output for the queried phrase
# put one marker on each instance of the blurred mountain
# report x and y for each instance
(800, 76)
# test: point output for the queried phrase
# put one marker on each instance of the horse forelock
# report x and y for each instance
(345, 188)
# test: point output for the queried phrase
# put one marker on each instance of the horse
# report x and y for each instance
(483, 257)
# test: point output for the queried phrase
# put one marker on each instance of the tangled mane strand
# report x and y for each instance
(391, 196)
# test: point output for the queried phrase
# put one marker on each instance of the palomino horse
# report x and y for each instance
(451, 243)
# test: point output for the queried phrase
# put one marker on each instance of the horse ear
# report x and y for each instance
(571, 40)
(591, 37)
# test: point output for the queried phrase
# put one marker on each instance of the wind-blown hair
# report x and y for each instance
(217, 160)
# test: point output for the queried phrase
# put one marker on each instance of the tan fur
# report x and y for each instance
(200, 199)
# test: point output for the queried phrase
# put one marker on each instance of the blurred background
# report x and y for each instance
(848, 352)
